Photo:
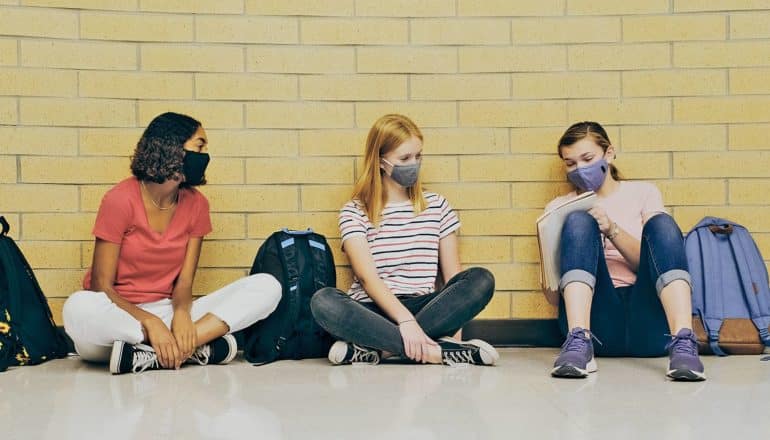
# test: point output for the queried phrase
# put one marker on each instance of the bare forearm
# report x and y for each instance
(629, 247)
(387, 301)
(181, 299)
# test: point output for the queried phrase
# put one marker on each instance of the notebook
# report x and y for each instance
(549, 227)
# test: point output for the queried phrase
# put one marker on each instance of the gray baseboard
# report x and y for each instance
(515, 332)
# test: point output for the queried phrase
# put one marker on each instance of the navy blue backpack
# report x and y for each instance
(731, 297)
(28, 334)
(303, 263)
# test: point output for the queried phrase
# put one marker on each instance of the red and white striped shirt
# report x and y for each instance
(405, 247)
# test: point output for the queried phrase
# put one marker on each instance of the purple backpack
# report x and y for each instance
(730, 293)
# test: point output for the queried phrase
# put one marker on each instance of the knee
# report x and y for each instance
(483, 282)
(580, 222)
(76, 306)
(663, 227)
(323, 304)
(270, 290)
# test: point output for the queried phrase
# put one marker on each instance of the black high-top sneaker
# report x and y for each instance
(127, 358)
(343, 353)
(221, 351)
(475, 351)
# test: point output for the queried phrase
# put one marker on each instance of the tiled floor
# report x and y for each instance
(627, 398)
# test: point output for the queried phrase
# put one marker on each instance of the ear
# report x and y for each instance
(610, 154)
(382, 167)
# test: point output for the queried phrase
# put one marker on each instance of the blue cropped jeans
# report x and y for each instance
(629, 321)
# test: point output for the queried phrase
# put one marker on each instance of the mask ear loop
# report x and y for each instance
(382, 159)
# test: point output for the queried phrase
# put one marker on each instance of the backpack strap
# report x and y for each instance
(752, 286)
(318, 249)
(287, 252)
(713, 306)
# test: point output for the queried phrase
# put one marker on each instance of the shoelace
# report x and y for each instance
(363, 355)
(458, 356)
(144, 358)
(202, 354)
(576, 341)
(683, 344)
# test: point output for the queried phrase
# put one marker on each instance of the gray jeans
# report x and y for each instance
(439, 314)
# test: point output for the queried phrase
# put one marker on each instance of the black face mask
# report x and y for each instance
(194, 166)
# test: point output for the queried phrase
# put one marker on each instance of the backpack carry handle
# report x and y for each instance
(307, 231)
(6, 226)
(725, 229)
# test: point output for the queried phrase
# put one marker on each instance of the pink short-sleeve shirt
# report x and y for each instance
(629, 206)
(149, 261)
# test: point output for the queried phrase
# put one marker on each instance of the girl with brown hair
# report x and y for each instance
(623, 265)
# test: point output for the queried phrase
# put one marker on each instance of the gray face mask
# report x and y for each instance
(404, 175)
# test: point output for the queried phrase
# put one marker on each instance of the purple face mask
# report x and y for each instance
(589, 177)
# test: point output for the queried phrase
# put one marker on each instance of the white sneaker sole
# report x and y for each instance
(573, 371)
(489, 355)
(233, 345)
(115, 357)
(686, 375)
(337, 352)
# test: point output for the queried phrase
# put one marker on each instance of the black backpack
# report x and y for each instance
(28, 335)
(302, 262)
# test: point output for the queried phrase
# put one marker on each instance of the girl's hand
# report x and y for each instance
(417, 344)
(183, 329)
(162, 341)
(605, 224)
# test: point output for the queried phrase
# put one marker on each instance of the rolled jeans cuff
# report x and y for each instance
(577, 275)
(672, 275)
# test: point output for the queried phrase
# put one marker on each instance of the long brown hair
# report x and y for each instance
(593, 130)
(387, 133)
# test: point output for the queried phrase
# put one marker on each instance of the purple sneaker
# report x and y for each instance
(684, 363)
(577, 355)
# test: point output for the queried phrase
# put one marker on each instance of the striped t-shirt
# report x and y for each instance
(405, 247)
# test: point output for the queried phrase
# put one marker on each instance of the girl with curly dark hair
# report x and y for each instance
(136, 310)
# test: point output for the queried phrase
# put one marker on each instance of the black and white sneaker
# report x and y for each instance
(475, 351)
(343, 353)
(127, 358)
(220, 351)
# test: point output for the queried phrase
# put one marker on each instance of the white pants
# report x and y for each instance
(94, 322)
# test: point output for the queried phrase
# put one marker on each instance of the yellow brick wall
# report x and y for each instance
(288, 88)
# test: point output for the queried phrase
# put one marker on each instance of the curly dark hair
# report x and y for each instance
(160, 151)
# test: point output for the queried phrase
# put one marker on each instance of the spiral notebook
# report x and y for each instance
(549, 227)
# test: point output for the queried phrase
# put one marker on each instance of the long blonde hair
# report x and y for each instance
(387, 133)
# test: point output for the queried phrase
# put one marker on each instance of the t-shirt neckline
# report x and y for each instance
(146, 218)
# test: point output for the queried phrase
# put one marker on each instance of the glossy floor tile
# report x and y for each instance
(627, 399)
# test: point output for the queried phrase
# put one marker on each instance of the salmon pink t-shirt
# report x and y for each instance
(632, 204)
(149, 262)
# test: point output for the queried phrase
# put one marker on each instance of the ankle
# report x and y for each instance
(678, 328)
